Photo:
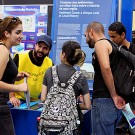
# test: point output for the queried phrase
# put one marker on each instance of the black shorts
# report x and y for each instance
(6, 122)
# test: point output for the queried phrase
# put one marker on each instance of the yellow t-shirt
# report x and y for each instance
(36, 75)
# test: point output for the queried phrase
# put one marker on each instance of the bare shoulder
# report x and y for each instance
(3, 51)
(103, 45)
(3, 47)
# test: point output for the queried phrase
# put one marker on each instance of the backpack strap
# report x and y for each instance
(55, 75)
(71, 81)
(73, 78)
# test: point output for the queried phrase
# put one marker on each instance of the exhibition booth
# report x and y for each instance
(62, 21)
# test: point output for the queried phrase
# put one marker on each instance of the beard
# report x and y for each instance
(90, 42)
(41, 58)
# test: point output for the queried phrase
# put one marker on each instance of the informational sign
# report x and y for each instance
(71, 17)
(34, 20)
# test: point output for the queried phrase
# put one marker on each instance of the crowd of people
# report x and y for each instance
(106, 106)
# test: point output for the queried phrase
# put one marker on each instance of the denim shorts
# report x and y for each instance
(104, 116)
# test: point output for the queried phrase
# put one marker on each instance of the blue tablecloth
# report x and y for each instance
(25, 121)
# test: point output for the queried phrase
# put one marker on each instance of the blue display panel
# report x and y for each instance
(71, 17)
(34, 18)
(127, 17)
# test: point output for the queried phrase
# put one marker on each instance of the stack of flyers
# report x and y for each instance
(128, 113)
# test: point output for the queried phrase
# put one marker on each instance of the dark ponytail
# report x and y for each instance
(73, 53)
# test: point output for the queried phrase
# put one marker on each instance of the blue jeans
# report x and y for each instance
(104, 116)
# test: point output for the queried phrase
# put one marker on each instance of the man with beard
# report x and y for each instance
(35, 62)
(105, 101)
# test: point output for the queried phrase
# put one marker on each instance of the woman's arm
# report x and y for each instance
(43, 93)
(86, 102)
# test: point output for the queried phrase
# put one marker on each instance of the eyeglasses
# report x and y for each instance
(14, 19)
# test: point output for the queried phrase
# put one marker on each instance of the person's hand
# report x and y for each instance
(80, 99)
(119, 102)
(15, 101)
(21, 75)
(23, 87)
